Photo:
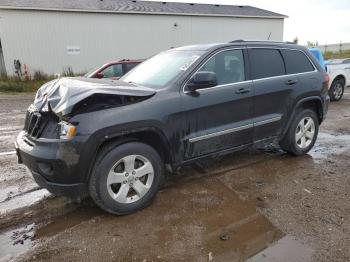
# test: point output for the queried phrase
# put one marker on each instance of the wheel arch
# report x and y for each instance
(339, 76)
(151, 136)
(314, 103)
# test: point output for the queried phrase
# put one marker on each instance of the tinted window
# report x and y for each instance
(113, 71)
(266, 63)
(128, 67)
(296, 62)
(346, 61)
(228, 66)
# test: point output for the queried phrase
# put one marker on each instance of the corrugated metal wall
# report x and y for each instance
(49, 40)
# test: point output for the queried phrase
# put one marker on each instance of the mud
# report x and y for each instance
(260, 205)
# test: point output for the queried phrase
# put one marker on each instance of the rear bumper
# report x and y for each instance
(53, 165)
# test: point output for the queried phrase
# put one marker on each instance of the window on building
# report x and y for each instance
(227, 65)
(296, 62)
(266, 63)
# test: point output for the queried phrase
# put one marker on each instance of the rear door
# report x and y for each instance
(219, 117)
(273, 90)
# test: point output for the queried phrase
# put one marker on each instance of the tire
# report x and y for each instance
(336, 91)
(299, 140)
(114, 184)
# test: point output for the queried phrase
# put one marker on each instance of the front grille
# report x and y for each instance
(41, 124)
(34, 123)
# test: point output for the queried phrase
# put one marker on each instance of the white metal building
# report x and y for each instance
(50, 35)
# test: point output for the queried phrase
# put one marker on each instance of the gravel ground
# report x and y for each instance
(261, 205)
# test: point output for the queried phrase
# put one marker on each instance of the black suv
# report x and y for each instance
(113, 140)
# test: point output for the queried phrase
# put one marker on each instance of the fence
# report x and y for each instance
(335, 47)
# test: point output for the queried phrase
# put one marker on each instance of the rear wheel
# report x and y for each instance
(126, 178)
(337, 89)
(302, 134)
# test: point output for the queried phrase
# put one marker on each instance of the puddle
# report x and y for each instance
(287, 249)
(16, 242)
(330, 144)
(65, 222)
(187, 221)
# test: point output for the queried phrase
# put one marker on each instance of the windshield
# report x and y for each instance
(159, 70)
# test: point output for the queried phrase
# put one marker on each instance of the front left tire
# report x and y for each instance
(126, 178)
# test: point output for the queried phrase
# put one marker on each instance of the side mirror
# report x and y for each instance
(100, 75)
(201, 80)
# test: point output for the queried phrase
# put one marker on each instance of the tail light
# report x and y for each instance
(326, 80)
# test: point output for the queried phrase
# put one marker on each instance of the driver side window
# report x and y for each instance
(227, 65)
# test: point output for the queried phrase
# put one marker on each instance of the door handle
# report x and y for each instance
(291, 82)
(243, 90)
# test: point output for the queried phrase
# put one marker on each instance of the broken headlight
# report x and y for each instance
(67, 130)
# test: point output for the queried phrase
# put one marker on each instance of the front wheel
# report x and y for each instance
(302, 133)
(336, 91)
(126, 178)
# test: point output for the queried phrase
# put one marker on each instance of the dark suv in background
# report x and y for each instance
(113, 140)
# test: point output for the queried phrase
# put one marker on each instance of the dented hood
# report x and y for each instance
(60, 95)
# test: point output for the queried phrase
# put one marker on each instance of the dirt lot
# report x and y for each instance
(260, 205)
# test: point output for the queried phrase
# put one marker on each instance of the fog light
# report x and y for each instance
(45, 168)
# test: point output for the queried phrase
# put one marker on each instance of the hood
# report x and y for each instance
(61, 95)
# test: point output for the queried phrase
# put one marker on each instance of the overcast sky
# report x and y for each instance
(325, 21)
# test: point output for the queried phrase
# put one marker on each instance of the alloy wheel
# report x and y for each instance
(338, 91)
(130, 179)
(305, 132)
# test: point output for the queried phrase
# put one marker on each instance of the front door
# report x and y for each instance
(220, 117)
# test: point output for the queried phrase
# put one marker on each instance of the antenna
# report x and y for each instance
(269, 36)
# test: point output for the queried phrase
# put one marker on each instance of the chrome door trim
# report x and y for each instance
(268, 121)
(235, 129)
(220, 133)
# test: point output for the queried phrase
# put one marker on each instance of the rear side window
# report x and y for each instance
(296, 62)
(266, 63)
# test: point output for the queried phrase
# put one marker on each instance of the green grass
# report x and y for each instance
(17, 85)
(333, 55)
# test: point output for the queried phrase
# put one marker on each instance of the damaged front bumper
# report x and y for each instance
(53, 163)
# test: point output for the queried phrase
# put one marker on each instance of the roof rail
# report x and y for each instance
(269, 41)
(237, 41)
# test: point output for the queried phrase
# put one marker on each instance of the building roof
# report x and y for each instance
(144, 7)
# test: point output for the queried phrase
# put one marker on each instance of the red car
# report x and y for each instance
(114, 70)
